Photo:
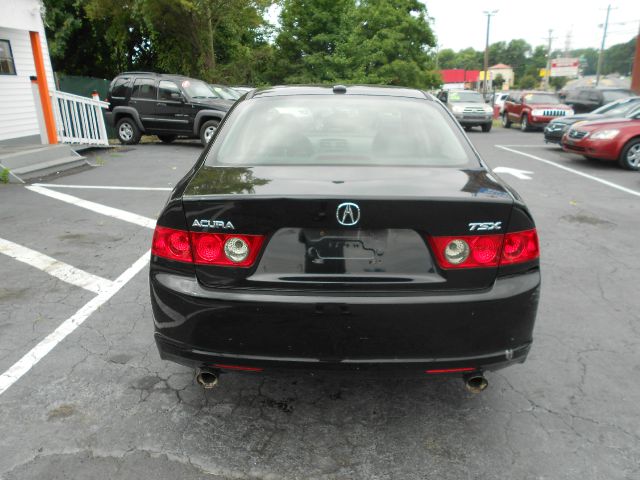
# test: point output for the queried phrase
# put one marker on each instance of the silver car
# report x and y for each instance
(469, 108)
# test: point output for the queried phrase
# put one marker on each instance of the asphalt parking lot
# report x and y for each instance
(83, 393)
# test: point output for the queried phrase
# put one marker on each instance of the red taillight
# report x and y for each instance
(209, 248)
(520, 247)
(206, 248)
(483, 250)
(473, 251)
(171, 244)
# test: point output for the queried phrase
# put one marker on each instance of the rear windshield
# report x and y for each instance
(532, 98)
(339, 130)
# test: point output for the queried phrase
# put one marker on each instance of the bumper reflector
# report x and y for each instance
(450, 370)
(237, 367)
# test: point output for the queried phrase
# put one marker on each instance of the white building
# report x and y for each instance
(23, 44)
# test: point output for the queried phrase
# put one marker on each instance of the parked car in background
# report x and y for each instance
(469, 108)
(588, 99)
(225, 92)
(168, 106)
(554, 131)
(532, 109)
(610, 139)
(499, 99)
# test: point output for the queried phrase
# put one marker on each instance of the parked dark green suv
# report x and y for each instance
(168, 106)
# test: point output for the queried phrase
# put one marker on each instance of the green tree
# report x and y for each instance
(498, 82)
(447, 59)
(497, 53)
(619, 58)
(527, 82)
(558, 82)
(81, 46)
(537, 61)
(216, 40)
(516, 54)
(389, 44)
(470, 59)
(310, 33)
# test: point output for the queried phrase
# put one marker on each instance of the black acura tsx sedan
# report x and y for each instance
(343, 228)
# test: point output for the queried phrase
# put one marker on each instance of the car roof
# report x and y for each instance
(378, 90)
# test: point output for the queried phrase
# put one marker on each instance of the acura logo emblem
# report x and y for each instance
(348, 214)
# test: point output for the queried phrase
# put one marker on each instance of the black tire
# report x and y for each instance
(524, 123)
(487, 127)
(167, 138)
(207, 130)
(467, 128)
(127, 131)
(630, 155)
(506, 123)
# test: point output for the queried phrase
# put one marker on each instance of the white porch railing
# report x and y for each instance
(79, 120)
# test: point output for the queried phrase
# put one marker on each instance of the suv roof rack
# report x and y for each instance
(136, 72)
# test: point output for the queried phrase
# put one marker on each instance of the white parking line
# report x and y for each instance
(104, 187)
(571, 170)
(55, 268)
(96, 207)
(37, 353)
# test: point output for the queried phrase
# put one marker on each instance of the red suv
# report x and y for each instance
(533, 109)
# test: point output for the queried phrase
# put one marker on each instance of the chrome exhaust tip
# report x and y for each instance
(207, 377)
(475, 382)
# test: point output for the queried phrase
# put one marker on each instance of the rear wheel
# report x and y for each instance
(167, 138)
(524, 123)
(486, 127)
(127, 131)
(506, 123)
(207, 131)
(630, 156)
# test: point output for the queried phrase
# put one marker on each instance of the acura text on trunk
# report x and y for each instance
(346, 228)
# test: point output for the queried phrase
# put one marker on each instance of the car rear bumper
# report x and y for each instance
(484, 330)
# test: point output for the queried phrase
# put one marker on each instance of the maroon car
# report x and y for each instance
(533, 109)
(610, 139)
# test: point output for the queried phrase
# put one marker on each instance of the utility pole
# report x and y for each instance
(604, 38)
(547, 70)
(489, 14)
(635, 70)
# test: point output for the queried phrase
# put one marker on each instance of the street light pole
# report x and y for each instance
(489, 14)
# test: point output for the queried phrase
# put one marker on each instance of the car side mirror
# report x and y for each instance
(177, 97)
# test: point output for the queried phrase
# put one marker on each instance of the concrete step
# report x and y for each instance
(38, 154)
(49, 167)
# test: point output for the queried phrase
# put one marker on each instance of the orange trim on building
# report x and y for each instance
(43, 88)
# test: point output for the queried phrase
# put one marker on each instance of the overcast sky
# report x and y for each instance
(460, 24)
